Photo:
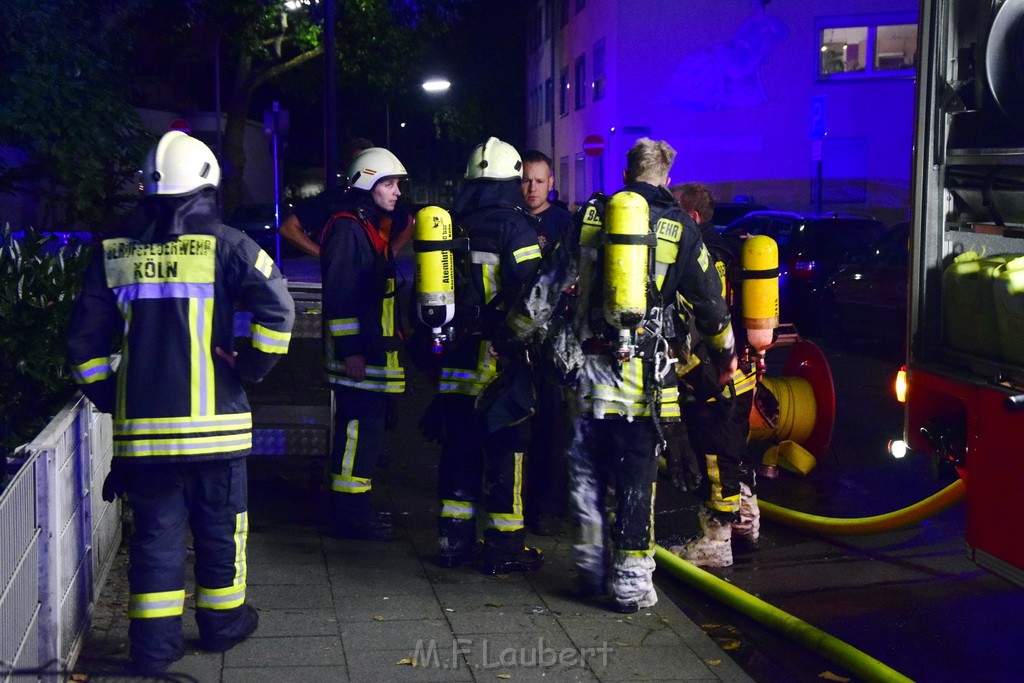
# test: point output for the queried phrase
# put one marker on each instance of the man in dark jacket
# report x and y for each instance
(487, 444)
(166, 286)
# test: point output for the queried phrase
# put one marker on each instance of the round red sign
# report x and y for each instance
(593, 145)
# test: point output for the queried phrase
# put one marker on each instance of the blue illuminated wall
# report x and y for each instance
(734, 86)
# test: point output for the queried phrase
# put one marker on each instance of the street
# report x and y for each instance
(909, 598)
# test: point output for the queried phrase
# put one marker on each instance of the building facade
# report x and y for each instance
(799, 104)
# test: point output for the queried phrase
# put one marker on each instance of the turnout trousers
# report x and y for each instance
(718, 434)
(477, 468)
(359, 417)
(622, 454)
(166, 500)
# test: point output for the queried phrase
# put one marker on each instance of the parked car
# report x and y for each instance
(868, 298)
(811, 249)
(727, 212)
(257, 221)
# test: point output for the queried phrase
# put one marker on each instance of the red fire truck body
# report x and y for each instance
(965, 355)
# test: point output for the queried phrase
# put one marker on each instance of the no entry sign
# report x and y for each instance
(593, 145)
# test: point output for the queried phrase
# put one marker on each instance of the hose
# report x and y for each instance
(889, 521)
(847, 656)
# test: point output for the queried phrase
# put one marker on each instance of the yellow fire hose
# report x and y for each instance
(889, 521)
(847, 656)
(831, 648)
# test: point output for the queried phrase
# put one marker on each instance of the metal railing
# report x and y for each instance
(57, 540)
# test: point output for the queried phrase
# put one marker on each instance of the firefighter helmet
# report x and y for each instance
(494, 160)
(179, 164)
(372, 165)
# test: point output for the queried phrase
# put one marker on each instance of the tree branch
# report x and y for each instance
(278, 69)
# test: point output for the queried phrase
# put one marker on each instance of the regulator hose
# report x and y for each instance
(889, 521)
(844, 654)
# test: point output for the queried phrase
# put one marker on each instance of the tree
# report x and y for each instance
(72, 137)
(379, 44)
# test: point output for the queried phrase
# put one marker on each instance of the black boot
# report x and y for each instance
(250, 621)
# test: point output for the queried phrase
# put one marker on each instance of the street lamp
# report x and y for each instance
(432, 86)
(436, 85)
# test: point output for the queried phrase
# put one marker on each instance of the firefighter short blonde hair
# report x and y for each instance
(649, 161)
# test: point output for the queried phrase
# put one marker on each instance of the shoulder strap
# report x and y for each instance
(379, 240)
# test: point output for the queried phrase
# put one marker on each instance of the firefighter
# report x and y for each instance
(483, 448)
(545, 459)
(604, 303)
(717, 421)
(166, 285)
(362, 340)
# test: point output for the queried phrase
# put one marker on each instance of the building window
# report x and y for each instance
(599, 70)
(563, 13)
(580, 4)
(581, 178)
(549, 16)
(563, 93)
(597, 173)
(581, 82)
(549, 100)
(867, 47)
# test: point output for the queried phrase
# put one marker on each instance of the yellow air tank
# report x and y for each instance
(627, 232)
(435, 270)
(760, 296)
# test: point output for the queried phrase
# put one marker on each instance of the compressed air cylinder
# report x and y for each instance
(435, 268)
(625, 260)
(760, 296)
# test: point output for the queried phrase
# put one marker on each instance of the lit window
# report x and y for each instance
(867, 47)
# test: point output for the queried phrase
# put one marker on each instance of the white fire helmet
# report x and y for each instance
(372, 165)
(494, 160)
(178, 165)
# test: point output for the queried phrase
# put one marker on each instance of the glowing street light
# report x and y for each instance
(436, 85)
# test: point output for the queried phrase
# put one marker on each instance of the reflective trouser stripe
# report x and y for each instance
(457, 509)
(231, 596)
(220, 598)
(343, 481)
(512, 521)
(716, 501)
(154, 605)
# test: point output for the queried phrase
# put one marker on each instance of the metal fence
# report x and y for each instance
(57, 540)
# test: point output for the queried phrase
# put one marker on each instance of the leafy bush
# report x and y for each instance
(39, 279)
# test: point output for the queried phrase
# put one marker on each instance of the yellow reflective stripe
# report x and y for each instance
(268, 340)
(517, 484)
(120, 410)
(241, 539)
(342, 327)
(387, 315)
(504, 522)
(526, 253)
(716, 501)
(520, 324)
(227, 443)
(200, 333)
(348, 458)
(722, 340)
(457, 509)
(155, 605)
(220, 598)
(348, 484)
(183, 425)
(684, 369)
(91, 370)
(489, 275)
(264, 264)
(591, 534)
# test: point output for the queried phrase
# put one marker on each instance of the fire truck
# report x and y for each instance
(964, 377)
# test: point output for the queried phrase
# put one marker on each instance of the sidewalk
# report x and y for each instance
(335, 610)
